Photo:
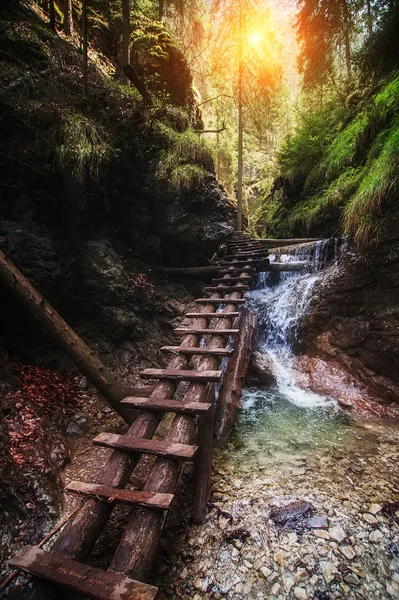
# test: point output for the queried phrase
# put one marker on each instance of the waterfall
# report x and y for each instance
(280, 306)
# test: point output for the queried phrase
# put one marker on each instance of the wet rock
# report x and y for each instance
(352, 579)
(337, 534)
(260, 370)
(291, 515)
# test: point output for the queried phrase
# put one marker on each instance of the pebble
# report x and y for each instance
(275, 589)
(375, 508)
(300, 593)
(318, 523)
(184, 573)
(393, 589)
(201, 584)
(328, 570)
(348, 552)
(370, 518)
(288, 583)
(376, 535)
(352, 579)
(322, 533)
(337, 534)
(266, 572)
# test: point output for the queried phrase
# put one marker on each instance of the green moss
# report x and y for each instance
(86, 146)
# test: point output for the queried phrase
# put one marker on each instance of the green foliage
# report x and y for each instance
(86, 146)
(344, 165)
(186, 161)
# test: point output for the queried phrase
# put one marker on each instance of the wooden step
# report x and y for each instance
(130, 497)
(197, 351)
(215, 315)
(129, 443)
(80, 578)
(220, 301)
(231, 279)
(243, 255)
(181, 374)
(195, 331)
(256, 261)
(166, 405)
(227, 288)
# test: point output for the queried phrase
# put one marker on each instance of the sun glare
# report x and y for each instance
(255, 38)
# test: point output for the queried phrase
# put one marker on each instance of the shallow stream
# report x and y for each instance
(291, 445)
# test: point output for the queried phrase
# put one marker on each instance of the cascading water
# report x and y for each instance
(280, 308)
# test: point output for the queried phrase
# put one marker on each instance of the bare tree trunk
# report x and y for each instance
(240, 120)
(369, 19)
(347, 20)
(84, 35)
(52, 14)
(125, 37)
(161, 9)
(68, 17)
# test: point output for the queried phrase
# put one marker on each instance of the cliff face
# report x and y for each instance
(350, 337)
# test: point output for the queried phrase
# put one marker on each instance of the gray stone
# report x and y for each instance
(376, 535)
(318, 523)
(352, 579)
(266, 572)
(337, 534)
(300, 593)
(288, 583)
(370, 518)
(348, 552)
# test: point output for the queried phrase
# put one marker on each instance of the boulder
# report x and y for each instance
(260, 370)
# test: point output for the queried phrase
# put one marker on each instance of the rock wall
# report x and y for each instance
(350, 336)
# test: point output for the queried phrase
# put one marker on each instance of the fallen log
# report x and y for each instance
(84, 358)
(210, 272)
(229, 396)
(284, 242)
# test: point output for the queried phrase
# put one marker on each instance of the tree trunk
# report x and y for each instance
(75, 348)
(52, 15)
(125, 38)
(84, 36)
(131, 74)
(240, 119)
(369, 18)
(161, 9)
(346, 25)
(68, 17)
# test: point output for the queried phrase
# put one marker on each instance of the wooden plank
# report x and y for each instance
(231, 279)
(182, 374)
(213, 315)
(197, 351)
(80, 578)
(182, 331)
(246, 255)
(166, 405)
(220, 300)
(129, 443)
(227, 288)
(131, 497)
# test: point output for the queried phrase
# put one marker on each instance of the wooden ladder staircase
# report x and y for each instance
(206, 343)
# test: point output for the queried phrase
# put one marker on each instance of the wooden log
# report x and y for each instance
(204, 272)
(183, 374)
(229, 396)
(122, 496)
(128, 443)
(203, 461)
(176, 406)
(84, 358)
(205, 331)
(286, 242)
(212, 315)
(239, 279)
(290, 266)
(80, 578)
(215, 300)
(227, 288)
(197, 351)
